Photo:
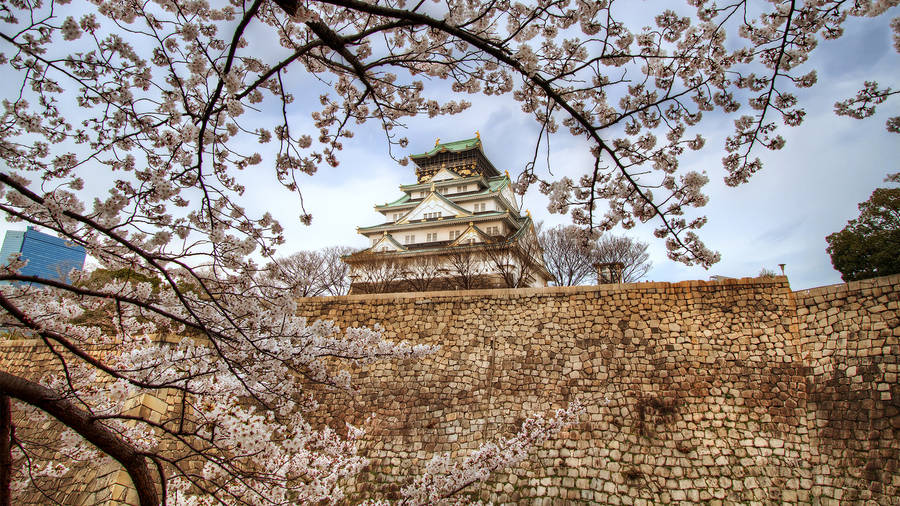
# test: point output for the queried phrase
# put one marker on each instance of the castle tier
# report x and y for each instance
(458, 227)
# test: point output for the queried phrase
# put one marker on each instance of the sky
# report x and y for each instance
(807, 190)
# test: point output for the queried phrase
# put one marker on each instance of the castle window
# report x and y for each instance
(461, 188)
(432, 237)
(397, 216)
(455, 233)
(493, 230)
(409, 239)
(433, 216)
(480, 207)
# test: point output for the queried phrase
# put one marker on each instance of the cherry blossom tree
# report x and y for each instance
(131, 128)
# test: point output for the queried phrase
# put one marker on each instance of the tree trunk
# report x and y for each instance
(5, 449)
(80, 421)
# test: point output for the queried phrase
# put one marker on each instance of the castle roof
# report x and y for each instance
(464, 157)
(493, 185)
(453, 147)
(417, 224)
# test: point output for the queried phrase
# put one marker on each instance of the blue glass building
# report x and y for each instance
(48, 256)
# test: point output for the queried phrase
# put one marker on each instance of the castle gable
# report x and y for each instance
(387, 243)
(444, 175)
(434, 206)
(472, 235)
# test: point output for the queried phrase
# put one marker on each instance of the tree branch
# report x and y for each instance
(80, 421)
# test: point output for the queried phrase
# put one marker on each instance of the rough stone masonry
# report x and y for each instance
(716, 392)
(734, 392)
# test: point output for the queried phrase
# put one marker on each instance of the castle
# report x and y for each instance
(458, 227)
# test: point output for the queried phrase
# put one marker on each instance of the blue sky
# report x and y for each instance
(806, 190)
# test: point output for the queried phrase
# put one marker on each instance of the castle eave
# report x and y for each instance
(438, 222)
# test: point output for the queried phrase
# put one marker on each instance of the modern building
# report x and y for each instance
(457, 227)
(48, 257)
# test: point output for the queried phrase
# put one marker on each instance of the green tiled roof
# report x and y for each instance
(523, 227)
(443, 182)
(445, 221)
(402, 200)
(498, 183)
(462, 145)
(494, 185)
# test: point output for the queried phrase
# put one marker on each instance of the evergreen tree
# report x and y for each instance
(869, 246)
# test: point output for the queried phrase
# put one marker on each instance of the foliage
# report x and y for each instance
(466, 267)
(423, 273)
(383, 273)
(868, 246)
(374, 273)
(131, 129)
(572, 256)
(98, 278)
(767, 273)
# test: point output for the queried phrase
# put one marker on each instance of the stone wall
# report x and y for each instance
(694, 391)
(739, 391)
(849, 336)
(736, 391)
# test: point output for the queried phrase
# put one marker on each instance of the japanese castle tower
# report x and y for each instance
(457, 227)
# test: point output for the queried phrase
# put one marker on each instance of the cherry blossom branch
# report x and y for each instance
(107, 441)
(863, 104)
(444, 479)
(6, 438)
